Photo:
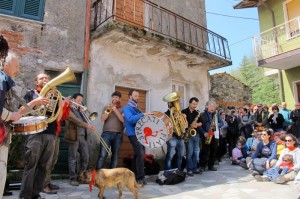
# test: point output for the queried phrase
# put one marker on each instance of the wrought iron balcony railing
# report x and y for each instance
(148, 16)
(280, 39)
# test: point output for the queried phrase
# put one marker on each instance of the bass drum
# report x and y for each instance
(153, 131)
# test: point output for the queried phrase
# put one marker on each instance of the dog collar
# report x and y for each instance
(92, 180)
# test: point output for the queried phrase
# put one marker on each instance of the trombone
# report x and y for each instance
(88, 118)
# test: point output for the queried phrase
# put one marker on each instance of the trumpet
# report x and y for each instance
(108, 109)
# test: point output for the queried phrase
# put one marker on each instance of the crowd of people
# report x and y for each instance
(262, 140)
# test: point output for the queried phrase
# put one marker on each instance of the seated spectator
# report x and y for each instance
(277, 171)
(244, 148)
(264, 156)
(256, 140)
(279, 139)
(292, 149)
(237, 154)
(276, 119)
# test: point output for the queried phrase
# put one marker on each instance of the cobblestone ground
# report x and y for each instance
(229, 182)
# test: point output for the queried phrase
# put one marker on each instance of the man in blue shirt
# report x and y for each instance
(132, 114)
(286, 115)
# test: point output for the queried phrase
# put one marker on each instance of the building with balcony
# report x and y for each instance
(156, 47)
(277, 46)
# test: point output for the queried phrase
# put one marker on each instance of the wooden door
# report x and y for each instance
(126, 148)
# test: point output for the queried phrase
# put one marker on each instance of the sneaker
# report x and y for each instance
(74, 183)
(254, 173)
(212, 169)
(53, 186)
(190, 173)
(141, 182)
(260, 178)
(197, 171)
(279, 180)
(47, 190)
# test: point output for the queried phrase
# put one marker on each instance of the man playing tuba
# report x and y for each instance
(174, 144)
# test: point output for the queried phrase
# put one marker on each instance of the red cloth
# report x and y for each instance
(148, 158)
(91, 184)
(286, 164)
(291, 148)
(65, 114)
(211, 133)
(3, 131)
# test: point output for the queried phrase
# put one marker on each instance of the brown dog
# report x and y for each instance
(110, 177)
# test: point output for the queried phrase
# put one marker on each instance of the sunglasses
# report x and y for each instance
(285, 161)
(288, 140)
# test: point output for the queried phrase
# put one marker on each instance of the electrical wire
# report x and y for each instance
(224, 15)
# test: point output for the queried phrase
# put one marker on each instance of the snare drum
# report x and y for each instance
(30, 125)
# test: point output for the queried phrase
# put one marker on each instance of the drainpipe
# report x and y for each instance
(281, 89)
(86, 48)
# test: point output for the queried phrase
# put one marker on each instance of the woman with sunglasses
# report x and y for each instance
(292, 148)
(264, 156)
(276, 119)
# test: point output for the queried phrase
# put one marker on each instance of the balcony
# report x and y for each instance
(151, 18)
(279, 47)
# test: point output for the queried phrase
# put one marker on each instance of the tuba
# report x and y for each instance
(49, 91)
(178, 119)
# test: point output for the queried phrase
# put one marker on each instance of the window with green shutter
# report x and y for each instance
(29, 9)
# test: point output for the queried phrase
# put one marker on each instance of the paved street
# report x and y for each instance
(229, 182)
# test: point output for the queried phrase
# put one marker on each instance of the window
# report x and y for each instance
(291, 10)
(180, 87)
(29, 9)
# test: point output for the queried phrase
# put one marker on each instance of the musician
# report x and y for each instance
(174, 144)
(76, 136)
(209, 151)
(260, 117)
(112, 131)
(192, 145)
(9, 68)
(132, 114)
(39, 148)
(295, 117)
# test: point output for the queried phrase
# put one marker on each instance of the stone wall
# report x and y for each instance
(228, 91)
(49, 45)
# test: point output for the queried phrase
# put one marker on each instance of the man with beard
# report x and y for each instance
(132, 114)
(39, 149)
(211, 121)
(112, 131)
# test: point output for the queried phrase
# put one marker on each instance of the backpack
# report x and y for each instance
(171, 177)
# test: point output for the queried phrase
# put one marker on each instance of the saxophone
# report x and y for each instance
(191, 131)
(210, 131)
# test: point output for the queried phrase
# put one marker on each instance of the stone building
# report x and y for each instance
(156, 46)
(229, 91)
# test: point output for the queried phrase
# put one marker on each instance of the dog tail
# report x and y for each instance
(137, 185)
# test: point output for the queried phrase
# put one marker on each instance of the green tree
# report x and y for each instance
(264, 89)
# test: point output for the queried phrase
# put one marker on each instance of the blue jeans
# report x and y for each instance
(192, 152)
(113, 140)
(174, 144)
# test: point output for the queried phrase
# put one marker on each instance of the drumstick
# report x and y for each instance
(29, 112)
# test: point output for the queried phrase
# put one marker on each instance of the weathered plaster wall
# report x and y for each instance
(56, 42)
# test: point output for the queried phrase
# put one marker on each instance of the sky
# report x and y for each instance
(237, 31)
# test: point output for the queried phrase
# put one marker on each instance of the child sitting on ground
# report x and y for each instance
(273, 173)
(237, 154)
